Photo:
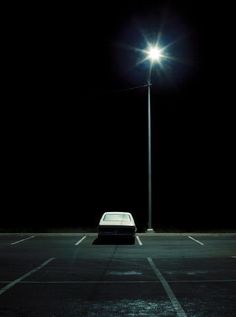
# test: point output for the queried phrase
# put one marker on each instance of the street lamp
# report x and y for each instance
(154, 54)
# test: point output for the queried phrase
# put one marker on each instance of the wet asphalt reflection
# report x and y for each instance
(174, 275)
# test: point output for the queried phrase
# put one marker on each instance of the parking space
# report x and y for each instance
(207, 298)
(101, 270)
(12, 268)
(76, 276)
(90, 300)
(203, 269)
(8, 239)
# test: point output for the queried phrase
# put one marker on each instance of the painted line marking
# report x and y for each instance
(78, 242)
(203, 281)
(18, 280)
(121, 282)
(199, 242)
(87, 282)
(19, 241)
(169, 292)
(139, 240)
(234, 256)
(128, 273)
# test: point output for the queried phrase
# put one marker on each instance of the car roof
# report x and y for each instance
(117, 212)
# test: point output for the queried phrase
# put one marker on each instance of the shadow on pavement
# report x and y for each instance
(114, 241)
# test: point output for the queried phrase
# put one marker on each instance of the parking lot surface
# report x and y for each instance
(77, 275)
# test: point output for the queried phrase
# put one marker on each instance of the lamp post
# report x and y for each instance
(149, 161)
(154, 54)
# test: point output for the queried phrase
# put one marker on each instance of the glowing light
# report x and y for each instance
(154, 54)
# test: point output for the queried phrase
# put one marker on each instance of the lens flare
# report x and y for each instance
(154, 54)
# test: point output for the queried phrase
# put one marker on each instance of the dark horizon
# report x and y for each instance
(75, 142)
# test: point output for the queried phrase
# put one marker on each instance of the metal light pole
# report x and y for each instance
(154, 55)
(149, 160)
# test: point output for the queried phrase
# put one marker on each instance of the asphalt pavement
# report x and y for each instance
(159, 275)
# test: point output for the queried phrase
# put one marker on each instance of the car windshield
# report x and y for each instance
(116, 217)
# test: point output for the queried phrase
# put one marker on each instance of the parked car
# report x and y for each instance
(117, 224)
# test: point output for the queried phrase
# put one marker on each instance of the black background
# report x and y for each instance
(74, 143)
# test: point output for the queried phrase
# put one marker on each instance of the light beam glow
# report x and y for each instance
(154, 54)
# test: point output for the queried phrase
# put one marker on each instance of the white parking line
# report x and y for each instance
(169, 292)
(139, 240)
(199, 242)
(87, 282)
(19, 241)
(78, 242)
(18, 280)
(124, 282)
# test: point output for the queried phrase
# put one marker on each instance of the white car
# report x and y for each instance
(117, 224)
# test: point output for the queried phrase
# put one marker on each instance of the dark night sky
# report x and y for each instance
(74, 144)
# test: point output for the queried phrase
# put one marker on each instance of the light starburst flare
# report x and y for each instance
(154, 53)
